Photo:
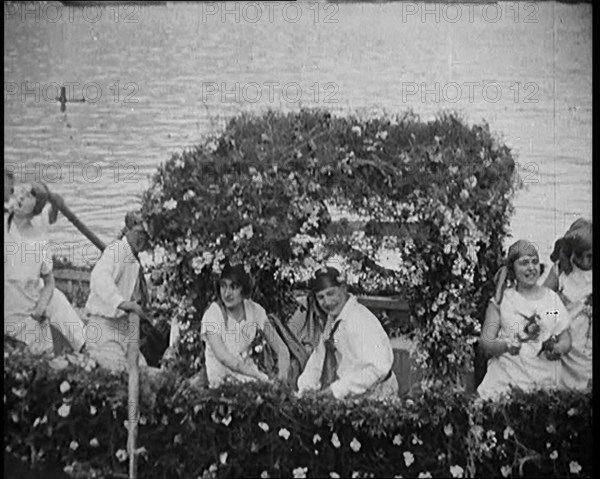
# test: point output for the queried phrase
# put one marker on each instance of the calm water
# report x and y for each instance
(160, 78)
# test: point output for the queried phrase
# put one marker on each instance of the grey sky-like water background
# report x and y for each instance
(158, 79)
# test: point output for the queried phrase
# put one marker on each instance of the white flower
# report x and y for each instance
(188, 195)
(300, 472)
(284, 433)
(554, 455)
(64, 410)
(179, 163)
(335, 440)
(357, 130)
(212, 146)
(424, 474)
(64, 387)
(170, 204)
(416, 440)
(223, 457)
(448, 431)
(334, 475)
(316, 438)
(121, 455)
(94, 442)
(571, 412)
(382, 135)
(408, 458)
(397, 440)
(93, 410)
(505, 471)
(264, 426)
(74, 445)
(508, 432)
(574, 467)
(355, 445)
(226, 420)
(457, 471)
(37, 421)
(264, 475)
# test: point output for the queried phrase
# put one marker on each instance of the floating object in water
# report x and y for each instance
(63, 99)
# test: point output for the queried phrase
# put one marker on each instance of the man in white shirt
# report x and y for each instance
(116, 289)
(354, 356)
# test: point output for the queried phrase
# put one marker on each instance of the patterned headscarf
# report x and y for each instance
(517, 250)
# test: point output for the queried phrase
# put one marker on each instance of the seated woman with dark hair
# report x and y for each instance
(230, 325)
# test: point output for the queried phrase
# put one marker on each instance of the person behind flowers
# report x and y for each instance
(117, 288)
(571, 278)
(354, 356)
(228, 328)
(29, 287)
(526, 328)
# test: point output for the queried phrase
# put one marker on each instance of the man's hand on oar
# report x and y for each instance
(133, 307)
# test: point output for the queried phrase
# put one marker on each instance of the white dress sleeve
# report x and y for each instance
(212, 321)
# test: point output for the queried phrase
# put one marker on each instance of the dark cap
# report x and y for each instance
(325, 277)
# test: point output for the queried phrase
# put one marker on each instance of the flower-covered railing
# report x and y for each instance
(72, 416)
(284, 192)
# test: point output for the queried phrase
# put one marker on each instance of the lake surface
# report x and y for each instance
(158, 79)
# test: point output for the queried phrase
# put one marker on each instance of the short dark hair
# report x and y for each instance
(237, 274)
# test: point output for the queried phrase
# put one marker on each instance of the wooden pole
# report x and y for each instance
(60, 205)
(133, 354)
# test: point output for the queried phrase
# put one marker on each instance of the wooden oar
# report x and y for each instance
(60, 205)
(133, 393)
(133, 345)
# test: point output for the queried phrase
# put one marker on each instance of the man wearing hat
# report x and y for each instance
(117, 288)
(354, 356)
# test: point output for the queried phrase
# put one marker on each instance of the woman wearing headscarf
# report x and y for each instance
(229, 327)
(29, 287)
(526, 328)
(571, 278)
(353, 357)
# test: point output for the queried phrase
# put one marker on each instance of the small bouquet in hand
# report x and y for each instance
(532, 328)
(548, 348)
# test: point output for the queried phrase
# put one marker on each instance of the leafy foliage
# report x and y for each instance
(262, 430)
(436, 194)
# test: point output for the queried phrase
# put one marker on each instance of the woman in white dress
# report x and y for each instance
(229, 327)
(571, 278)
(526, 329)
(29, 292)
